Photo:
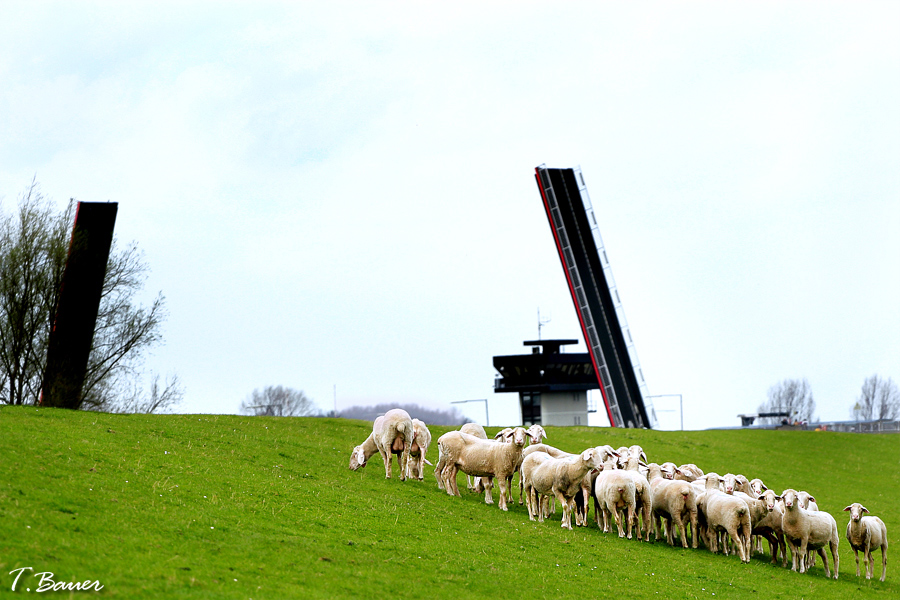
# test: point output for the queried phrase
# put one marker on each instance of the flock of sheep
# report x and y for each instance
(727, 512)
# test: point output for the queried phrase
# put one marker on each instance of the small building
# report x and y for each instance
(552, 385)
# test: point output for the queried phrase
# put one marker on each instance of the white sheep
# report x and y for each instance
(808, 502)
(395, 437)
(721, 513)
(772, 521)
(482, 458)
(643, 498)
(362, 453)
(533, 503)
(421, 441)
(866, 533)
(673, 501)
(809, 530)
(536, 447)
(562, 477)
(474, 484)
(688, 472)
(537, 434)
(614, 491)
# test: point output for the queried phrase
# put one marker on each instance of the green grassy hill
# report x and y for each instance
(205, 506)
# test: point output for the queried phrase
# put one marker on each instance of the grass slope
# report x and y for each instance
(204, 506)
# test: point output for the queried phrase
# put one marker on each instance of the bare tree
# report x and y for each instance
(278, 401)
(879, 399)
(34, 245)
(32, 259)
(793, 396)
(158, 399)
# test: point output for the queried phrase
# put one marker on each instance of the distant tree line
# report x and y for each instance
(879, 399)
(431, 416)
(280, 401)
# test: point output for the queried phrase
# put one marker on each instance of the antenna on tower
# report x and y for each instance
(542, 322)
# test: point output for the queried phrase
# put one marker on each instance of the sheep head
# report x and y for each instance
(357, 458)
(789, 497)
(517, 436)
(856, 510)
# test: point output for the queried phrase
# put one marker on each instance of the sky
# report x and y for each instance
(340, 198)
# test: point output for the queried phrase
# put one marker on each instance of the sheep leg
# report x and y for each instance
(404, 461)
(504, 491)
(611, 506)
(450, 480)
(388, 459)
(631, 518)
(647, 521)
(821, 552)
(679, 520)
(835, 556)
(566, 510)
(856, 555)
(883, 559)
(488, 483)
(802, 552)
(529, 500)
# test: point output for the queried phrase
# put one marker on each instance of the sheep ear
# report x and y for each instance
(499, 435)
(544, 433)
(761, 497)
(848, 508)
(642, 464)
(644, 455)
(864, 509)
(763, 486)
(811, 499)
(361, 457)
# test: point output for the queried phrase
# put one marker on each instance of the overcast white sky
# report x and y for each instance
(341, 196)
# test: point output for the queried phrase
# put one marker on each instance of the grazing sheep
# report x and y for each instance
(688, 472)
(362, 453)
(536, 447)
(474, 484)
(773, 521)
(581, 502)
(533, 503)
(421, 441)
(395, 437)
(537, 434)
(562, 477)
(762, 523)
(866, 533)
(723, 513)
(673, 501)
(482, 458)
(643, 498)
(808, 530)
(807, 502)
(614, 491)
